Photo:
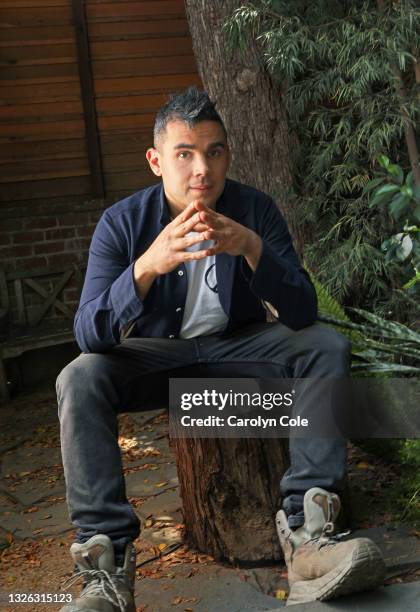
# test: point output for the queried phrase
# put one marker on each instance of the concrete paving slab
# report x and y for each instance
(394, 598)
(157, 460)
(165, 507)
(146, 416)
(45, 521)
(145, 449)
(146, 483)
(19, 423)
(399, 543)
(10, 442)
(32, 491)
(9, 502)
(213, 589)
(165, 535)
(29, 458)
(267, 579)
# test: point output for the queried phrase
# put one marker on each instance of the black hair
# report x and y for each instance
(191, 106)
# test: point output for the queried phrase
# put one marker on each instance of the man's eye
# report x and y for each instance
(183, 154)
(215, 153)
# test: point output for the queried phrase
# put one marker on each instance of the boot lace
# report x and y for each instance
(328, 537)
(100, 583)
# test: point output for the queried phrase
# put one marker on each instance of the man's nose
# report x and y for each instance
(200, 166)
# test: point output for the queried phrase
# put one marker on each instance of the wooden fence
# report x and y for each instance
(80, 84)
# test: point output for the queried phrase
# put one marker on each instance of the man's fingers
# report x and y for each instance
(211, 218)
(200, 206)
(186, 214)
(188, 241)
(192, 225)
(194, 255)
(187, 226)
(209, 233)
(200, 227)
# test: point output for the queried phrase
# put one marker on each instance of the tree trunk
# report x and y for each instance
(230, 488)
(251, 106)
(230, 494)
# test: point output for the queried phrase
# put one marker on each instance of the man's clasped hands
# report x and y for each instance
(169, 249)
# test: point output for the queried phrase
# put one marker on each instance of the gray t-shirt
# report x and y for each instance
(203, 313)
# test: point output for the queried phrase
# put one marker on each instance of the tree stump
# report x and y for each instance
(230, 493)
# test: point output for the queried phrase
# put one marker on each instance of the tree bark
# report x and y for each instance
(230, 494)
(262, 146)
(230, 488)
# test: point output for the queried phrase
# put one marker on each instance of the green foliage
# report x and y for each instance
(379, 346)
(338, 65)
(399, 197)
(409, 490)
(327, 304)
(410, 452)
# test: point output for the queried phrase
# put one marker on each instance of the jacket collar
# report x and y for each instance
(164, 214)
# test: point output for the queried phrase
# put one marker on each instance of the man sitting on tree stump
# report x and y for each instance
(176, 279)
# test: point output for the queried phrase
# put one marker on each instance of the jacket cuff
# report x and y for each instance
(126, 303)
(270, 265)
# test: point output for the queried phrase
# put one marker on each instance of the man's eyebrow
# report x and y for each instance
(212, 145)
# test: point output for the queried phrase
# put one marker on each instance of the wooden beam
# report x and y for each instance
(88, 100)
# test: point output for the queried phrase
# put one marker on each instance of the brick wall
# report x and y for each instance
(47, 236)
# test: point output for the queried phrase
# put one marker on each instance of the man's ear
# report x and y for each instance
(153, 157)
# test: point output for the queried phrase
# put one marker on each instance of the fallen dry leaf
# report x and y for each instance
(281, 594)
(178, 600)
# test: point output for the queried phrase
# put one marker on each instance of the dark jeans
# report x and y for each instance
(95, 387)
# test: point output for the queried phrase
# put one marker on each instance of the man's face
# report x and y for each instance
(192, 162)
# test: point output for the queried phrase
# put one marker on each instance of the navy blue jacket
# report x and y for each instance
(110, 304)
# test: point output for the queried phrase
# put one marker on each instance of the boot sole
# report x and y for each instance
(90, 610)
(75, 608)
(363, 571)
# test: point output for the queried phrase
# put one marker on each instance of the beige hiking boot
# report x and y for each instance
(107, 587)
(320, 566)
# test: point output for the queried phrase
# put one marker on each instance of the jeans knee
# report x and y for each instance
(68, 377)
(337, 343)
(80, 374)
(329, 344)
